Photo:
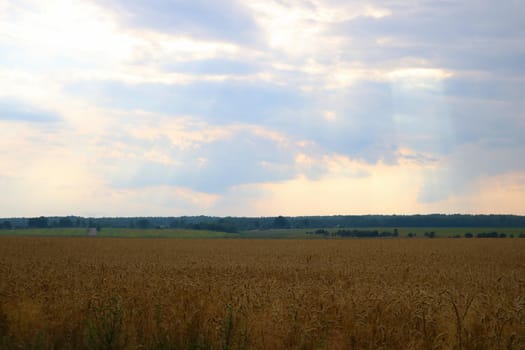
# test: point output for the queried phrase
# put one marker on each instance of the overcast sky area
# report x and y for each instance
(261, 107)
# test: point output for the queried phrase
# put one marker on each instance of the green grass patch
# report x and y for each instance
(278, 233)
(440, 232)
(45, 232)
(452, 231)
(119, 233)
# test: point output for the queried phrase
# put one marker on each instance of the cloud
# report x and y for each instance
(484, 88)
(298, 114)
(347, 187)
(14, 110)
(225, 20)
(500, 194)
(242, 155)
(214, 67)
(262, 104)
(460, 173)
(221, 102)
(83, 194)
(468, 35)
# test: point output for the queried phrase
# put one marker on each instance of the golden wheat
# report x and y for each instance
(262, 294)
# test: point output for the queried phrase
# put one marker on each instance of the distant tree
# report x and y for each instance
(487, 235)
(40, 222)
(143, 223)
(322, 232)
(6, 225)
(219, 226)
(431, 234)
(177, 223)
(280, 222)
(469, 235)
(65, 222)
(344, 233)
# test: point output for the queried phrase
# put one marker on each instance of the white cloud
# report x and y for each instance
(298, 27)
(59, 29)
(418, 78)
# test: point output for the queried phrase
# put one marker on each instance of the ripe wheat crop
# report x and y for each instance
(101, 293)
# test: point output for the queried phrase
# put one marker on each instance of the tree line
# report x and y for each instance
(356, 233)
(236, 224)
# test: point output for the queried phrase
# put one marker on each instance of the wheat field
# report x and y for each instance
(102, 293)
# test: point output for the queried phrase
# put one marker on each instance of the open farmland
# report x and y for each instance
(294, 233)
(262, 294)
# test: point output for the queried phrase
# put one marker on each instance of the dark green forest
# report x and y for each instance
(238, 224)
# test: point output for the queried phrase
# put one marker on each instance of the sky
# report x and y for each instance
(261, 107)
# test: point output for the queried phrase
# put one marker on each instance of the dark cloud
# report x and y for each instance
(442, 22)
(226, 20)
(475, 35)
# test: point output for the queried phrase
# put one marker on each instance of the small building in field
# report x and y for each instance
(91, 231)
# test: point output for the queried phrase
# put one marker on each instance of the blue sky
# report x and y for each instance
(261, 108)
